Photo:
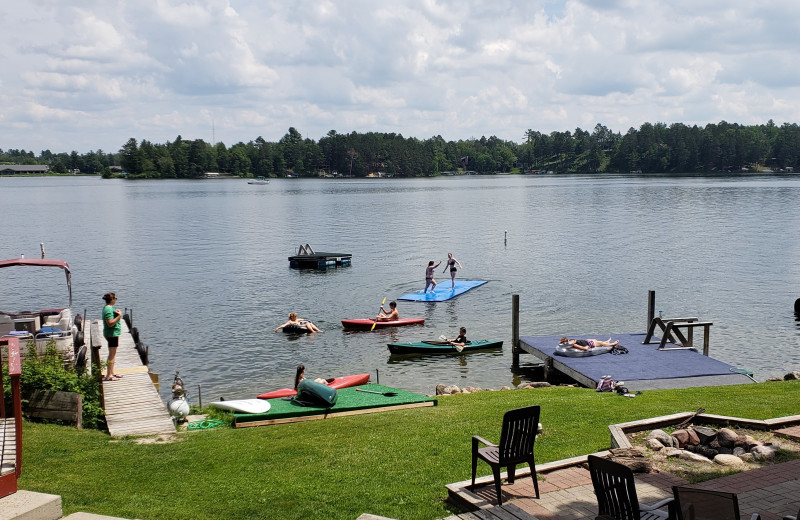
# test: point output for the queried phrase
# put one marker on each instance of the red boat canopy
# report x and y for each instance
(42, 262)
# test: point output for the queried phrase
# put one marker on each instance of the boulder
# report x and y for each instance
(661, 436)
(705, 434)
(748, 442)
(654, 444)
(705, 451)
(669, 451)
(791, 376)
(739, 451)
(693, 457)
(727, 437)
(766, 452)
(452, 389)
(505, 388)
(440, 389)
(728, 460)
(686, 438)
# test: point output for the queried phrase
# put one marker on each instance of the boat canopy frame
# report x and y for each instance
(42, 262)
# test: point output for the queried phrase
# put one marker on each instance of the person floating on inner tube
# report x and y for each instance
(391, 315)
(429, 281)
(451, 263)
(302, 323)
(587, 344)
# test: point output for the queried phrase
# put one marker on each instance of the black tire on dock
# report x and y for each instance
(797, 306)
(79, 321)
(80, 359)
(127, 318)
(78, 340)
(144, 354)
(135, 335)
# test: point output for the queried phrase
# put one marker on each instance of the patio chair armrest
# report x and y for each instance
(477, 439)
(658, 505)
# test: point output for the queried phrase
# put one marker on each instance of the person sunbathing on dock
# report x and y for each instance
(586, 344)
(391, 315)
(295, 322)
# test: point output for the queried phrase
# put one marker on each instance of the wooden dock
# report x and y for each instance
(644, 367)
(132, 404)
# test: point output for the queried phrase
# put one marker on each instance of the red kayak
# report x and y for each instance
(338, 382)
(366, 324)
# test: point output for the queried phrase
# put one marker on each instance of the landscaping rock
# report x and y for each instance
(748, 442)
(440, 389)
(739, 451)
(539, 384)
(766, 452)
(694, 457)
(654, 444)
(705, 434)
(792, 376)
(727, 437)
(452, 389)
(661, 436)
(669, 451)
(707, 452)
(506, 388)
(747, 457)
(728, 460)
(686, 438)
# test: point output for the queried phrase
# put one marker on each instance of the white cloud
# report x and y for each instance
(89, 74)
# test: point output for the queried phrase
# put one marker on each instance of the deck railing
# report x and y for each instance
(8, 478)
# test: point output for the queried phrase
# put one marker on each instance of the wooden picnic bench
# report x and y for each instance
(671, 328)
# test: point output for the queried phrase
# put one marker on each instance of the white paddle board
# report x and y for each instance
(244, 405)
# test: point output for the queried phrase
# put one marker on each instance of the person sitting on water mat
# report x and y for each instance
(586, 344)
(392, 315)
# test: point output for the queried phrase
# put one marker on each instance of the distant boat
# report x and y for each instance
(259, 180)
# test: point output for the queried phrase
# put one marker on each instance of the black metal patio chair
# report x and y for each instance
(616, 493)
(703, 504)
(516, 447)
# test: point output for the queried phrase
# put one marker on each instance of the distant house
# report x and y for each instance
(23, 169)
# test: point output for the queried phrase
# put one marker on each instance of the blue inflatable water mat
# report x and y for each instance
(443, 292)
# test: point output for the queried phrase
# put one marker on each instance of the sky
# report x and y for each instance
(90, 74)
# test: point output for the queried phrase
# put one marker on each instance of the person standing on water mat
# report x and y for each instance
(392, 315)
(451, 263)
(586, 344)
(429, 281)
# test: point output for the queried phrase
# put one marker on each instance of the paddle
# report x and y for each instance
(387, 394)
(458, 347)
(376, 319)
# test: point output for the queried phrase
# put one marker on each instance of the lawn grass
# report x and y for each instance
(393, 464)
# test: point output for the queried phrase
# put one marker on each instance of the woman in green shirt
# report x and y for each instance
(112, 328)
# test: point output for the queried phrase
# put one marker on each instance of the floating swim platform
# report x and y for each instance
(644, 367)
(443, 291)
(348, 402)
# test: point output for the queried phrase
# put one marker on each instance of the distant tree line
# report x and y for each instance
(652, 148)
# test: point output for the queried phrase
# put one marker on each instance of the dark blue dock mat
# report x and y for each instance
(443, 291)
(640, 363)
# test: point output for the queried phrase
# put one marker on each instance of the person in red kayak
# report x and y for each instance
(301, 374)
(391, 315)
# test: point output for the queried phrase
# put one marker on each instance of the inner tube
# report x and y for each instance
(144, 353)
(135, 334)
(567, 351)
(80, 359)
(295, 329)
(311, 393)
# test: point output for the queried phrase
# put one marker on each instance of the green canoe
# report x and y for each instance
(441, 347)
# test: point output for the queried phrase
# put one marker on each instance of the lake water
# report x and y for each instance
(204, 266)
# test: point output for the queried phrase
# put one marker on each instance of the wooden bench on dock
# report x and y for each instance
(672, 333)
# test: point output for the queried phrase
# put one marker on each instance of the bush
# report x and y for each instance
(49, 372)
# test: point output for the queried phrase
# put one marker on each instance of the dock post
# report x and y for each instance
(515, 329)
(651, 308)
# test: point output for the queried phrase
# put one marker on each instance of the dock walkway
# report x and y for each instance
(644, 367)
(132, 404)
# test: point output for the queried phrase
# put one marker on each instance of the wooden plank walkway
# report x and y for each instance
(8, 446)
(132, 404)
